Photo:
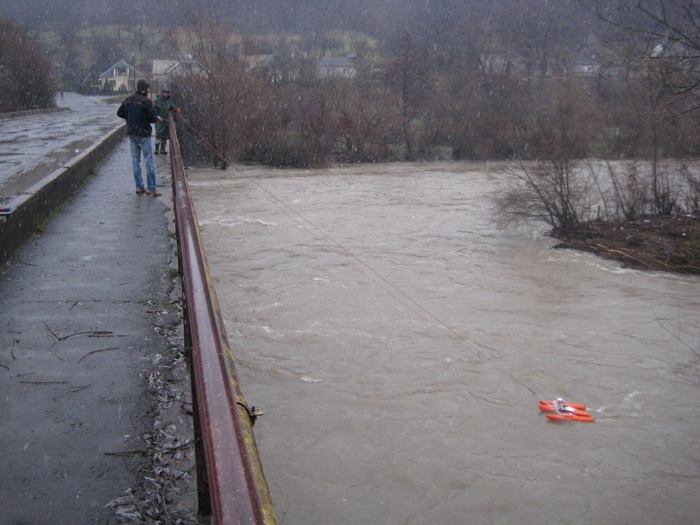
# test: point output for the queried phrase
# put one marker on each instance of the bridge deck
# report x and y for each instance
(84, 311)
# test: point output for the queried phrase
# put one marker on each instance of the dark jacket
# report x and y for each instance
(139, 112)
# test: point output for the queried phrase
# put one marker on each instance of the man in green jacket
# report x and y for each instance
(164, 106)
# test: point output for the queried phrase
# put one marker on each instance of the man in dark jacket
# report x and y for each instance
(139, 113)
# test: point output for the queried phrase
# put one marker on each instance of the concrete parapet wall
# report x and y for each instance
(37, 203)
(30, 112)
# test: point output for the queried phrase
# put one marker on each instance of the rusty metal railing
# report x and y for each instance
(231, 485)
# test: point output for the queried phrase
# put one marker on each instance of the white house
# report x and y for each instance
(264, 65)
(165, 70)
(587, 65)
(159, 71)
(341, 67)
(120, 77)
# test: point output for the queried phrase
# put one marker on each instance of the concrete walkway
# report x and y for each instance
(83, 312)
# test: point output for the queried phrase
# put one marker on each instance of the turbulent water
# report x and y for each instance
(398, 342)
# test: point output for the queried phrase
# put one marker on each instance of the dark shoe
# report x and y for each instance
(153, 193)
(140, 191)
(155, 152)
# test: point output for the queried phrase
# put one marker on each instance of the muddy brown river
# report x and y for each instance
(399, 342)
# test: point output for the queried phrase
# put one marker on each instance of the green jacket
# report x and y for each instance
(163, 108)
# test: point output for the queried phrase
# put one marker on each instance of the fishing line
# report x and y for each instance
(406, 300)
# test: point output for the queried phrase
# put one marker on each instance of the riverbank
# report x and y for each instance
(669, 244)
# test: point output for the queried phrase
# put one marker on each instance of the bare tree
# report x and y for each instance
(313, 118)
(142, 34)
(662, 33)
(544, 34)
(364, 123)
(27, 78)
(214, 87)
(408, 74)
(556, 188)
(554, 192)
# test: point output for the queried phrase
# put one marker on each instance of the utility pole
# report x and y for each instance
(133, 66)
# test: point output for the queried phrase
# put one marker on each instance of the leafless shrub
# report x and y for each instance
(630, 195)
(282, 150)
(692, 197)
(560, 194)
(569, 195)
(635, 189)
(365, 124)
(556, 188)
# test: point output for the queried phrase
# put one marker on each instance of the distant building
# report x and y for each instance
(494, 62)
(338, 67)
(159, 70)
(120, 77)
(264, 65)
(164, 71)
(586, 65)
(92, 85)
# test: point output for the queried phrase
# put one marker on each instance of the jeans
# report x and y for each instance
(143, 145)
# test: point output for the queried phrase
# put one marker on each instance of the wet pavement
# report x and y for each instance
(85, 311)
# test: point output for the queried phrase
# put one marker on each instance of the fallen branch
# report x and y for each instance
(51, 332)
(89, 333)
(624, 254)
(96, 351)
(165, 506)
(137, 452)
(20, 261)
(56, 356)
(44, 382)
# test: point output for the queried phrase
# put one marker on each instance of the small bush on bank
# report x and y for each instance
(282, 151)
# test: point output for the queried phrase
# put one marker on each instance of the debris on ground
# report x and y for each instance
(668, 243)
(167, 492)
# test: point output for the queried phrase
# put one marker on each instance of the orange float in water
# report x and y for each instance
(564, 409)
(561, 401)
(560, 410)
(565, 417)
